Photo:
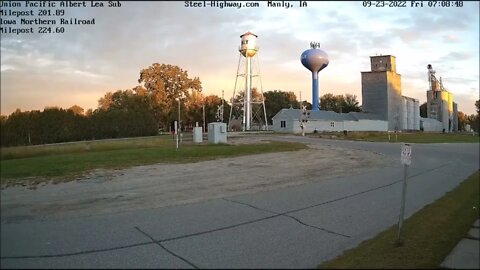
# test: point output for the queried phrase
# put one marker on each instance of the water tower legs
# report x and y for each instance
(248, 93)
(252, 107)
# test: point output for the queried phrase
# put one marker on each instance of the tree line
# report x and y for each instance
(147, 109)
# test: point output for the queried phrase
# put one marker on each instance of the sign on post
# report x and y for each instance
(406, 156)
(406, 159)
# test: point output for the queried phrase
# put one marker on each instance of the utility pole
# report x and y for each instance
(221, 111)
(203, 108)
(179, 127)
(300, 103)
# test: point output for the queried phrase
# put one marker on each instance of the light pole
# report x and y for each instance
(178, 123)
(221, 112)
(203, 111)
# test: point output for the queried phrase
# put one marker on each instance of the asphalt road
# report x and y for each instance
(294, 227)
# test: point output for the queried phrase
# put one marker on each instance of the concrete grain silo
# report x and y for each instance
(404, 113)
(440, 102)
(410, 114)
(416, 115)
(382, 90)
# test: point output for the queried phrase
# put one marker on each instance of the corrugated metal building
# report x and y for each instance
(289, 120)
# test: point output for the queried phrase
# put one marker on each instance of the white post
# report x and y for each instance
(248, 94)
(402, 206)
(221, 115)
(176, 133)
(406, 161)
(179, 127)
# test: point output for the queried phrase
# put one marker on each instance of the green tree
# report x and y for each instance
(192, 110)
(3, 129)
(350, 104)
(423, 110)
(339, 103)
(276, 100)
(77, 110)
(462, 120)
(17, 129)
(212, 104)
(329, 102)
(124, 114)
(473, 121)
(163, 84)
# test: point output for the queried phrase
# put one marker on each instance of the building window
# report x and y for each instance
(332, 124)
(283, 124)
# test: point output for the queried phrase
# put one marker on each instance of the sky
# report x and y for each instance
(79, 66)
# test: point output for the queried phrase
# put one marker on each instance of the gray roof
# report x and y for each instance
(328, 115)
(366, 116)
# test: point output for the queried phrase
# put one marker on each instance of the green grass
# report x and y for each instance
(85, 146)
(69, 161)
(428, 236)
(416, 137)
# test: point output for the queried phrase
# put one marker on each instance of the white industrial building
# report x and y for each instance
(290, 120)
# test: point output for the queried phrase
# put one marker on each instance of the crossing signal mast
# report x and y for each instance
(219, 114)
(304, 119)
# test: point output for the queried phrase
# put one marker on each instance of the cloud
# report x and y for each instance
(455, 56)
(450, 38)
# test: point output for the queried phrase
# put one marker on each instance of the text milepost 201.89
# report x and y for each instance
(414, 4)
(47, 17)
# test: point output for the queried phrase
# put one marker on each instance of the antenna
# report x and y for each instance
(314, 45)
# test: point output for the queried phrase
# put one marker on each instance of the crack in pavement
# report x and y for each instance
(234, 225)
(166, 249)
(285, 215)
(366, 191)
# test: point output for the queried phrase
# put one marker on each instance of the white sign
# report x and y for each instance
(406, 156)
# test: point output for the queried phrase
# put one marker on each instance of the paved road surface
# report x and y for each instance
(294, 227)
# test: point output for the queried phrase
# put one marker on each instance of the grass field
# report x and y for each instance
(85, 146)
(416, 137)
(69, 160)
(428, 236)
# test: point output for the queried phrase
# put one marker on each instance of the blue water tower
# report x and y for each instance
(315, 60)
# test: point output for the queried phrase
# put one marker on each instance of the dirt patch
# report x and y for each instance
(159, 185)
